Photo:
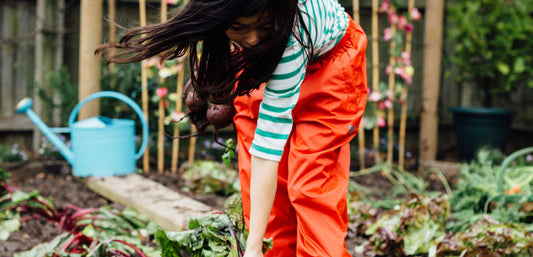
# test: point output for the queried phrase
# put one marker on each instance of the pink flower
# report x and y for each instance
(387, 34)
(374, 96)
(393, 18)
(405, 55)
(161, 92)
(398, 71)
(402, 22)
(380, 122)
(409, 27)
(150, 62)
(384, 6)
(381, 105)
(388, 104)
(415, 14)
(172, 1)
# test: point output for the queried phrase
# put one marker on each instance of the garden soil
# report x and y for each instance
(54, 180)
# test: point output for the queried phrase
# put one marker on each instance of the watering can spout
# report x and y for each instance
(24, 106)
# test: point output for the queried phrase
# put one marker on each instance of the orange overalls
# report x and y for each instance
(309, 215)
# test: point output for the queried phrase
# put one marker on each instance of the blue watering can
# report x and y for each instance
(101, 146)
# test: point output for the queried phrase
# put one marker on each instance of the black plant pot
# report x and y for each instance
(476, 127)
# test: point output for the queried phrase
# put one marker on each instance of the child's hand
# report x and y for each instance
(253, 254)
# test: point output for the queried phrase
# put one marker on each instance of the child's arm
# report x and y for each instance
(262, 191)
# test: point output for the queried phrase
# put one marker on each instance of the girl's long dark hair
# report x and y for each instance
(221, 72)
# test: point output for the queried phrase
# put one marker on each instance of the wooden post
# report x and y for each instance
(111, 13)
(392, 88)
(361, 131)
(375, 70)
(144, 85)
(48, 54)
(403, 117)
(161, 123)
(179, 106)
(161, 137)
(192, 145)
(431, 79)
(89, 65)
(355, 8)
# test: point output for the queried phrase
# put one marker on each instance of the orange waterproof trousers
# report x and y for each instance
(309, 216)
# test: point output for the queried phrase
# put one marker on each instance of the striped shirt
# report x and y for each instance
(326, 21)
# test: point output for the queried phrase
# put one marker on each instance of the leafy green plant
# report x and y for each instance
(493, 44)
(403, 183)
(476, 190)
(66, 91)
(414, 227)
(84, 231)
(488, 237)
(210, 177)
(215, 235)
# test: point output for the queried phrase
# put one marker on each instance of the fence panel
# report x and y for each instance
(17, 53)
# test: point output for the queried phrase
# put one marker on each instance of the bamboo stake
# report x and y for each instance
(390, 114)
(161, 121)
(361, 131)
(161, 138)
(111, 12)
(375, 70)
(163, 10)
(192, 145)
(144, 85)
(403, 117)
(179, 106)
(356, 16)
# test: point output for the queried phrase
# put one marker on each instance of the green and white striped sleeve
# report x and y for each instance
(279, 97)
(327, 22)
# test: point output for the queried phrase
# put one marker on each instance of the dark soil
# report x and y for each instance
(54, 180)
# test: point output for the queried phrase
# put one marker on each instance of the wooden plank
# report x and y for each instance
(450, 170)
(16, 123)
(164, 206)
(9, 28)
(23, 62)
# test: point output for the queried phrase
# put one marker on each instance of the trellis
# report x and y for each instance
(375, 74)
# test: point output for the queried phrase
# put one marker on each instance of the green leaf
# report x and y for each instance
(20, 196)
(519, 65)
(8, 226)
(503, 68)
(419, 239)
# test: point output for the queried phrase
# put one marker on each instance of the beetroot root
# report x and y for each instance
(194, 102)
(220, 115)
(199, 120)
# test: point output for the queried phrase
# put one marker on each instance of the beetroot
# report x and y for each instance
(202, 113)
(199, 120)
(193, 101)
(220, 115)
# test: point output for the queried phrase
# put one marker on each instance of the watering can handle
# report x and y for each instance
(123, 98)
(506, 163)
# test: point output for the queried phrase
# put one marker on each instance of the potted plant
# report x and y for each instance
(494, 52)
